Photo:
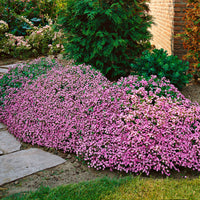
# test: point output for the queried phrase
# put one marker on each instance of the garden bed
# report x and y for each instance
(74, 171)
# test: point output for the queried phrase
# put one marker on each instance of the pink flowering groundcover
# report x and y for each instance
(133, 125)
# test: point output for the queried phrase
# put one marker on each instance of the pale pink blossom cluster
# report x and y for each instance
(27, 21)
(3, 22)
(58, 34)
(134, 125)
(17, 41)
(39, 39)
(50, 22)
(3, 26)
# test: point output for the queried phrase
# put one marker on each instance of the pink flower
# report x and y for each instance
(129, 126)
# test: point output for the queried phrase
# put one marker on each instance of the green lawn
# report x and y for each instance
(119, 189)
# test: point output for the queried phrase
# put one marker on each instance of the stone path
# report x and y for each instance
(8, 143)
(4, 68)
(16, 163)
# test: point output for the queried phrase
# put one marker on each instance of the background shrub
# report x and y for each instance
(3, 27)
(44, 40)
(159, 63)
(191, 35)
(3, 30)
(35, 10)
(106, 34)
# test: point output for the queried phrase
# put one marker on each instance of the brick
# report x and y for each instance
(180, 5)
(179, 19)
(178, 28)
(177, 9)
(178, 32)
(181, 1)
(178, 23)
(179, 14)
(176, 42)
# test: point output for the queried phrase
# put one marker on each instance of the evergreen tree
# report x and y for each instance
(106, 34)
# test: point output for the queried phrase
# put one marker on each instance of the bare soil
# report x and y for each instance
(74, 171)
(192, 91)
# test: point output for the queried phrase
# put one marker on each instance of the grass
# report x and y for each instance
(126, 188)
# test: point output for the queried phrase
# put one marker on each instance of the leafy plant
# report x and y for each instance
(106, 34)
(3, 27)
(39, 41)
(191, 36)
(33, 10)
(3, 30)
(159, 63)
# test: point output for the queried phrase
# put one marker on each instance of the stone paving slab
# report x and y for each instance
(3, 70)
(2, 126)
(8, 142)
(9, 66)
(26, 162)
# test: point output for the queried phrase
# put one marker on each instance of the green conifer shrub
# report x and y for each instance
(108, 35)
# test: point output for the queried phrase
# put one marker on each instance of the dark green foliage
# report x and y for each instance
(161, 64)
(10, 10)
(106, 34)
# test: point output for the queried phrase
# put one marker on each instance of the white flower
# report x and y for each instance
(3, 26)
(3, 22)
(26, 20)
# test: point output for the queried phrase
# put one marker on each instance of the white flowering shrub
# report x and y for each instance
(16, 46)
(3, 27)
(39, 41)
(45, 40)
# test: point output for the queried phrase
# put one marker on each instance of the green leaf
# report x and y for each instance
(108, 69)
(91, 109)
(108, 12)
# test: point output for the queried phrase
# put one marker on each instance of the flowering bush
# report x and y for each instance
(33, 10)
(24, 73)
(3, 27)
(133, 125)
(16, 46)
(45, 40)
(39, 41)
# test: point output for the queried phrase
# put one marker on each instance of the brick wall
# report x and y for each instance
(168, 18)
